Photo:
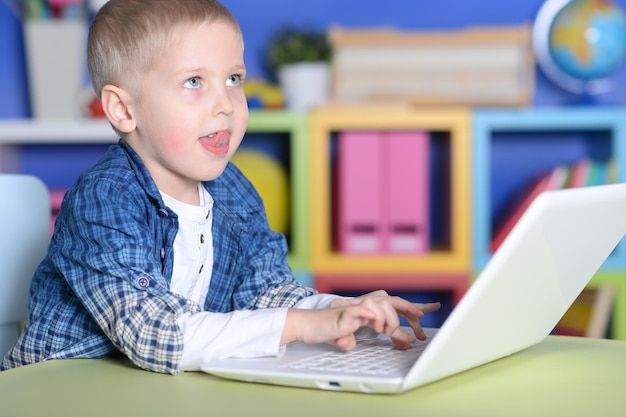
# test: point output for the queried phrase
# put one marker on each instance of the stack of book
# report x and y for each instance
(488, 66)
(586, 172)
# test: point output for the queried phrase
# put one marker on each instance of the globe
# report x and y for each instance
(579, 44)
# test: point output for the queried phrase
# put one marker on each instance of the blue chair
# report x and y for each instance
(24, 237)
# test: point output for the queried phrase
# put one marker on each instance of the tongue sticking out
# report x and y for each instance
(217, 143)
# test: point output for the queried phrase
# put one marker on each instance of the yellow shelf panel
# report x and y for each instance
(454, 120)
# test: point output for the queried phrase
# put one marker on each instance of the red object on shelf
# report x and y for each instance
(556, 179)
(580, 173)
(94, 108)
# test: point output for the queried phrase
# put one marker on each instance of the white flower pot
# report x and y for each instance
(304, 84)
(55, 52)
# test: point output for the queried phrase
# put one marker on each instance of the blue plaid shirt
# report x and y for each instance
(104, 284)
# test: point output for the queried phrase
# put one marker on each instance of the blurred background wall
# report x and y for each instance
(259, 20)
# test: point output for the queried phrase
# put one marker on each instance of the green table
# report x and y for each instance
(561, 376)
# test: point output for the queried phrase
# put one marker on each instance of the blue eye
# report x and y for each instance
(234, 80)
(193, 82)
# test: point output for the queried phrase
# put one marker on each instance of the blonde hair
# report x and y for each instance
(126, 35)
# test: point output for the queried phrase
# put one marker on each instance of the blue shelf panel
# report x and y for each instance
(59, 165)
(304, 278)
(512, 146)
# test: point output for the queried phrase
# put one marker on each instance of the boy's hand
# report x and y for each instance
(388, 309)
(330, 325)
(337, 325)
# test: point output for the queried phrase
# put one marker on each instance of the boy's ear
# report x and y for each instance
(115, 104)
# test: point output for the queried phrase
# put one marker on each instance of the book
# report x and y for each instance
(612, 171)
(580, 172)
(598, 175)
(470, 66)
(594, 174)
(555, 179)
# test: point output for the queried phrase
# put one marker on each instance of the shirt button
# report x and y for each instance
(143, 282)
(201, 238)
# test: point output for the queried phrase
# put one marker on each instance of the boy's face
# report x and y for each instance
(192, 112)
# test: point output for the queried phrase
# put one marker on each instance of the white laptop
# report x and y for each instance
(529, 283)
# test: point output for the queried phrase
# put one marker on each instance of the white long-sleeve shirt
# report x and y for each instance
(209, 335)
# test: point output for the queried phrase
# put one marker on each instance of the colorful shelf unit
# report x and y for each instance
(449, 130)
(296, 126)
(513, 147)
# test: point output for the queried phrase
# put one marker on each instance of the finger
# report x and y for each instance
(374, 294)
(390, 317)
(412, 315)
(401, 339)
(415, 325)
(377, 293)
(346, 342)
(428, 307)
(388, 310)
(353, 318)
(406, 308)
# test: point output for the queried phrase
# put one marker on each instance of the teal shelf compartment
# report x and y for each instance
(512, 145)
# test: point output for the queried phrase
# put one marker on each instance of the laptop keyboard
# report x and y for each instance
(370, 358)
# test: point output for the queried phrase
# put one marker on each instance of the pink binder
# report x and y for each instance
(406, 224)
(360, 183)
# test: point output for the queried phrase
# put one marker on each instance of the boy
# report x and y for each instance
(162, 250)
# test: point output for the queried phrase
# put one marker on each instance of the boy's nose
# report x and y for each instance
(221, 102)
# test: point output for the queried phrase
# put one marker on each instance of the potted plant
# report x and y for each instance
(300, 62)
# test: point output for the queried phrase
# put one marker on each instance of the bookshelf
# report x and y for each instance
(479, 159)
